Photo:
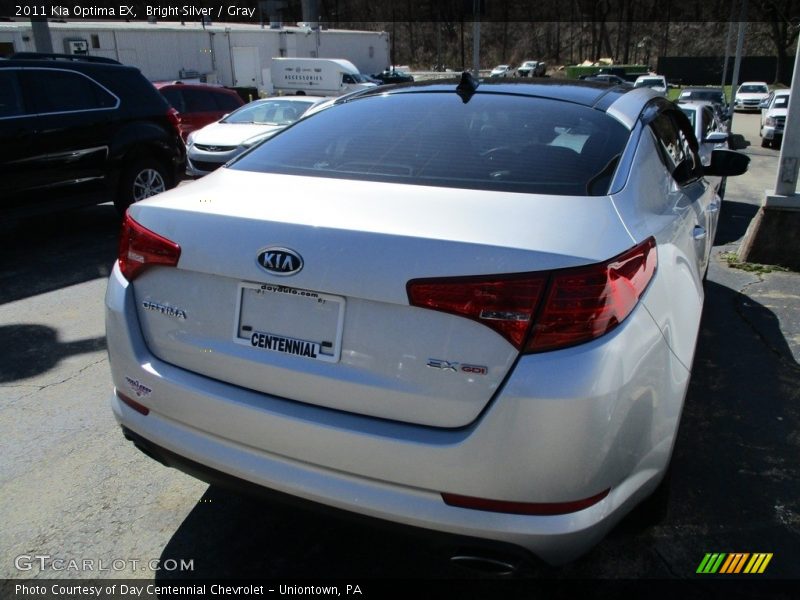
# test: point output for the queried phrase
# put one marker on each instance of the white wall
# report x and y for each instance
(160, 53)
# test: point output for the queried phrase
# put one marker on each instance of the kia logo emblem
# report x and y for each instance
(280, 261)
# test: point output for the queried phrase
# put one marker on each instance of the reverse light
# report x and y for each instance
(140, 248)
(577, 304)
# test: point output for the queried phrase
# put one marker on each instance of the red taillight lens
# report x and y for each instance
(584, 303)
(579, 304)
(175, 119)
(140, 408)
(523, 508)
(140, 248)
(504, 303)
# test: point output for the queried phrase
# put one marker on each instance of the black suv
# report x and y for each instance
(82, 130)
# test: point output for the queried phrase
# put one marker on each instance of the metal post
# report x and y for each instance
(476, 38)
(786, 182)
(738, 61)
(41, 35)
(728, 48)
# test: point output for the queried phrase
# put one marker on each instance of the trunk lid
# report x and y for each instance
(340, 332)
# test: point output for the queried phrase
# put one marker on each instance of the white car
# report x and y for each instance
(380, 311)
(708, 128)
(530, 68)
(212, 146)
(657, 83)
(773, 117)
(500, 71)
(750, 95)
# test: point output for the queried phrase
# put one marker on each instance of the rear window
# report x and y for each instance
(493, 142)
(227, 102)
(652, 82)
(781, 102)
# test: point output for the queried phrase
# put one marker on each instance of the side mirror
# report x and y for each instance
(716, 137)
(763, 104)
(727, 163)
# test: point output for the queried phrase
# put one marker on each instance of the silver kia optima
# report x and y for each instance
(469, 307)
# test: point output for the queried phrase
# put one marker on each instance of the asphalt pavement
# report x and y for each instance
(73, 488)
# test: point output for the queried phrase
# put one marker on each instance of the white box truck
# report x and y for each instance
(316, 76)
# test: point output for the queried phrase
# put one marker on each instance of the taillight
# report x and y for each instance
(577, 305)
(140, 248)
(523, 508)
(584, 303)
(504, 303)
(175, 119)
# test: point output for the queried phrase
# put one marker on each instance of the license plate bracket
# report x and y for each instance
(286, 320)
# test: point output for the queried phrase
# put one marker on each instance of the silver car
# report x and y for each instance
(212, 146)
(709, 130)
(468, 308)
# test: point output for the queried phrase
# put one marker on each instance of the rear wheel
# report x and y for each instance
(143, 178)
(764, 142)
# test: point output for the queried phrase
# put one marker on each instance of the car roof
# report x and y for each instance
(697, 104)
(587, 93)
(193, 86)
(753, 83)
(293, 98)
(71, 65)
(700, 88)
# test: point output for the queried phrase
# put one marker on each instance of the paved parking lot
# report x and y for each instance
(73, 489)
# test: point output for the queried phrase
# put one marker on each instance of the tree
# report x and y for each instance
(783, 29)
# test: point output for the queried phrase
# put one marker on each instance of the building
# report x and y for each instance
(232, 54)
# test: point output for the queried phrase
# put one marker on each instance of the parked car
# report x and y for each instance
(609, 79)
(82, 130)
(393, 76)
(657, 83)
(711, 133)
(398, 323)
(198, 104)
(212, 146)
(531, 68)
(708, 94)
(500, 71)
(709, 130)
(749, 95)
(773, 117)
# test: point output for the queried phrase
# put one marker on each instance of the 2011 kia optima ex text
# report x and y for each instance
(467, 307)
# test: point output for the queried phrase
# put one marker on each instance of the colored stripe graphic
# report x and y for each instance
(758, 563)
(711, 563)
(734, 563)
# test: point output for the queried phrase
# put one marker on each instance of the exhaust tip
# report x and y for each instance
(485, 564)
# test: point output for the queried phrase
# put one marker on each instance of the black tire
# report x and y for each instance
(143, 178)
(764, 142)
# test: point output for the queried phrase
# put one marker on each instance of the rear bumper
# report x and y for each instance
(444, 544)
(604, 416)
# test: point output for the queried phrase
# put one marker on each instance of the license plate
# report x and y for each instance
(280, 319)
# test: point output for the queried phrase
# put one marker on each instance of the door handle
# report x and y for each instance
(699, 233)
